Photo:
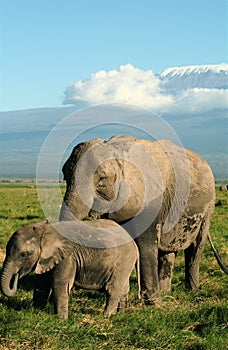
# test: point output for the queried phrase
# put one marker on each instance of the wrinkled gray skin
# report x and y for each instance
(60, 263)
(157, 245)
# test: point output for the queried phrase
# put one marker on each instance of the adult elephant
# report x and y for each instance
(162, 194)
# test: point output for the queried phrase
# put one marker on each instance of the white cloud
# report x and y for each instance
(126, 85)
(197, 100)
(134, 86)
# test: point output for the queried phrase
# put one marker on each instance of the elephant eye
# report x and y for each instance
(103, 177)
(25, 254)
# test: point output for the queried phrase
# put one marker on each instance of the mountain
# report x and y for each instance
(205, 132)
(23, 133)
(190, 77)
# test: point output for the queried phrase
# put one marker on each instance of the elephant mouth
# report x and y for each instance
(25, 270)
(105, 196)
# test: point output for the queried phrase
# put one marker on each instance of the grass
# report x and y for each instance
(187, 320)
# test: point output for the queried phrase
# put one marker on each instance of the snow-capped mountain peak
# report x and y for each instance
(201, 69)
(213, 76)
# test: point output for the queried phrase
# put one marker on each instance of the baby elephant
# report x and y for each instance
(95, 254)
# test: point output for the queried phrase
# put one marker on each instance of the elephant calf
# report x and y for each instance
(94, 255)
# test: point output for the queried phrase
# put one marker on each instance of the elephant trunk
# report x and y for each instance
(73, 208)
(9, 280)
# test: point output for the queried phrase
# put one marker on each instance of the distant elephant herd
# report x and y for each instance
(128, 203)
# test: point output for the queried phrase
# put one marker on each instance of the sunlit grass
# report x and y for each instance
(187, 320)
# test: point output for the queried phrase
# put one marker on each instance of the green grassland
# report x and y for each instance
(187, 320)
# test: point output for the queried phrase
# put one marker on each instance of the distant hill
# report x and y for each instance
(22, 134)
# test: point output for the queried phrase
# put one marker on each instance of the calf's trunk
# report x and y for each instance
(9, 279)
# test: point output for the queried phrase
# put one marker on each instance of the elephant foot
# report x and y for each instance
(191, 285)
(111, 306)
(192, 280)
(152, 299)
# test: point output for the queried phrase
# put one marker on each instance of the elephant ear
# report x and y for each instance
(54, 248)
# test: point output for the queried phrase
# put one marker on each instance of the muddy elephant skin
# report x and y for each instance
(157, 182)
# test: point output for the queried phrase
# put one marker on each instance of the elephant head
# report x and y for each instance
(73, 205)
(101, 177)
(38, 247)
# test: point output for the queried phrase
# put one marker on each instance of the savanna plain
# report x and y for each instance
(186, 320)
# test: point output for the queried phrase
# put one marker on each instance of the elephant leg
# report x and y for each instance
(193, 255)
(123, 303)
(61, 299)
(165, 270)
(63, 280)
(112, 302)
(42, 290)
(117, 290)
(148, 252)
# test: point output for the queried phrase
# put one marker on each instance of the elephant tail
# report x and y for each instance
(217, 256)
(137, 267)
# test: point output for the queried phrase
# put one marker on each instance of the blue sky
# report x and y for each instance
(48, 44)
